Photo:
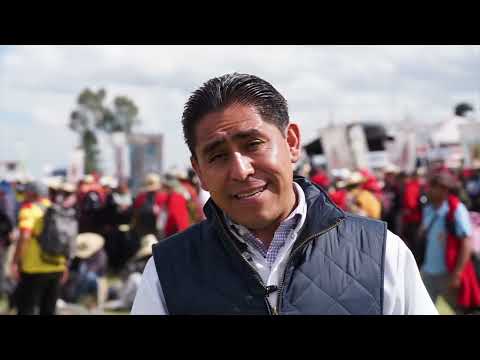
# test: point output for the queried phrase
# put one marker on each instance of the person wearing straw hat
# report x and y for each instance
(87, 267)
(272, 243)
(361, 201)
(148, 205)
(176, 209)
(68, 193)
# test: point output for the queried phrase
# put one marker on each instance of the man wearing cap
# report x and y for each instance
(272, 243)
(39, 281)
(447, 269)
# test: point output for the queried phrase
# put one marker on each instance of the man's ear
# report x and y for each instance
(293, 141)
(196, 167)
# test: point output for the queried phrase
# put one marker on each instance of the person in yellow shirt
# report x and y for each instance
(39, 281)
(360, 201)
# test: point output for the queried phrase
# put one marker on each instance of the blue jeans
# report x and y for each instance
(86, 283)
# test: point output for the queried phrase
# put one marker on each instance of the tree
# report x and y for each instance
(92, 115)
(122, 118)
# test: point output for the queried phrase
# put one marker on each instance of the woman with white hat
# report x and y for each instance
(86, 269)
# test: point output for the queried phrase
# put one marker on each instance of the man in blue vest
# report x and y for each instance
(271, 243)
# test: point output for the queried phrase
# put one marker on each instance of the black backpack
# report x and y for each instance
(60, 229)
(5, 229)
(5, 224)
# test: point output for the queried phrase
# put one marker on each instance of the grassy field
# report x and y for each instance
(442, 307)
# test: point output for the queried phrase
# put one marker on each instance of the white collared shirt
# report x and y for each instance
(404, 291)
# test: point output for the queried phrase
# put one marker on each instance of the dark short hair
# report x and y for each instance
(220, 92)
(443, 179)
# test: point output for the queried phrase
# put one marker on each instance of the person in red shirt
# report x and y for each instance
(372, 184)
(339, 197)
(412, 213)
(160, 209)
(320, 178)
(190, 192)
(178, 218)
(338, 192)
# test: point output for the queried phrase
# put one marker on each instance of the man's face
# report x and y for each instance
(247, 165)
(437, 193)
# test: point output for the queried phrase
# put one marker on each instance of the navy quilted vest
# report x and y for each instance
(336, 266)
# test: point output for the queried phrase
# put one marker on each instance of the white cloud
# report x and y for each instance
(320, 83)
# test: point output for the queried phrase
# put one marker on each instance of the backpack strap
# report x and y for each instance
(42, 207)
(453, 203)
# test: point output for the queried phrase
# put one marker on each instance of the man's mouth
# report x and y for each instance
(250, 193)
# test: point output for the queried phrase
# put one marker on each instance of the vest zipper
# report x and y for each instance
(271, 310)
(280, 288)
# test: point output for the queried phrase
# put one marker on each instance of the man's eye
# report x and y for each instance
(255, 144)
(217, 157)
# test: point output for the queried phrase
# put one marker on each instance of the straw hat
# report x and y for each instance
(67, 187)
(124, 228)
(180, 174)
(53, 183)
(88, 244)
(356, 178)
(391, 169)
(89, 179)
(342, 173)
(146, 246)
(171, 180)
(108, 181)
(152, 182)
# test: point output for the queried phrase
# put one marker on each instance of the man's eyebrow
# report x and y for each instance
(237, 136)
(213, 145)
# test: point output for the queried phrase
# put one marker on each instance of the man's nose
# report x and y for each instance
(241, 167)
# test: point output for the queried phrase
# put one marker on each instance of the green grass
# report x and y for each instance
(443, 308)
(3, 305)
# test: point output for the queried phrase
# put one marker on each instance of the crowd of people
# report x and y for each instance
(114, 230)
(434, 210)
(272, 243)
(60, 242)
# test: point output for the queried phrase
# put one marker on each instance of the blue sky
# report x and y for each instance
(39, 85)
